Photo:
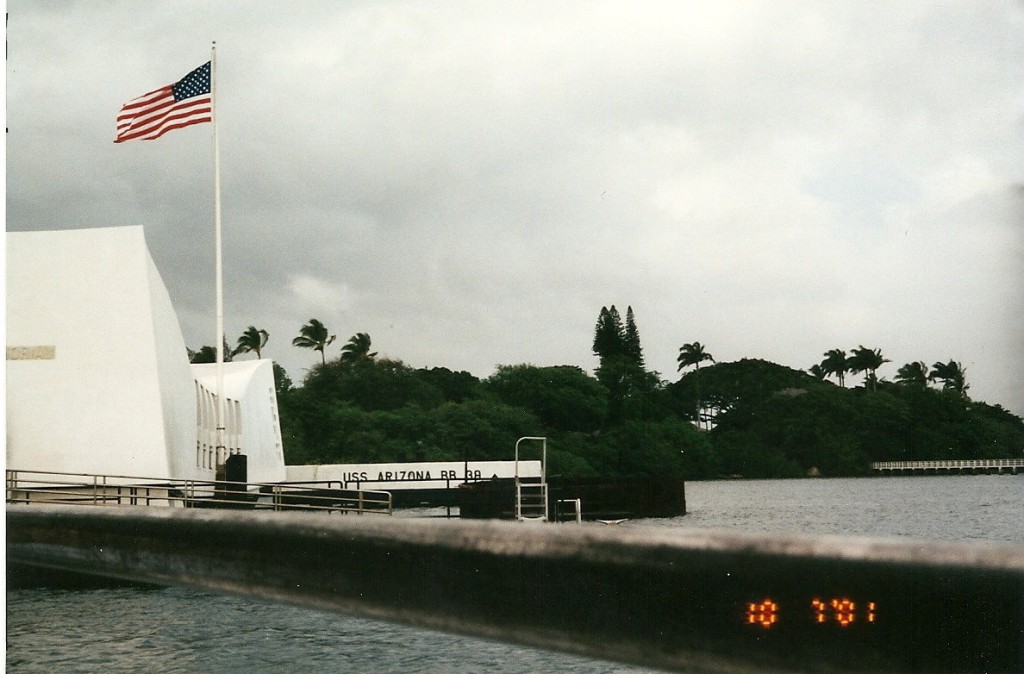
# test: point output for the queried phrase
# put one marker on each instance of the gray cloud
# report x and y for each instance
(471, 182)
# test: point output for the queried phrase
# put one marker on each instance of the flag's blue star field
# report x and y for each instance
(196, 83)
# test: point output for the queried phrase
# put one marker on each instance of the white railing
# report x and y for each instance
(32, 486)
(958, 464)
(531, 494)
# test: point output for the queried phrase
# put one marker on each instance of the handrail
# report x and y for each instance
(31, 487)
(694, 600)
(947, 464)
(543, 459)
(541, 486)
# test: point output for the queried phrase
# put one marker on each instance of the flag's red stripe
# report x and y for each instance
(177, 126)
(154, 123)
(154, 105)
(155, 115)
(158, 131)
(145, 99)
(204, 111)
(143, 118)
(151, 132)
(144, 115)
(164, 105)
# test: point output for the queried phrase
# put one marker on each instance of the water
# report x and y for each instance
(966, 508)
(181, 630)
(170, 630)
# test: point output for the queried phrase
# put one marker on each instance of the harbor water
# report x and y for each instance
(165, 630)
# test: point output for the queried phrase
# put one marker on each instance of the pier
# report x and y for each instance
(969, 466)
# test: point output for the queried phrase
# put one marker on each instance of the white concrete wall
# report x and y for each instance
(251, 418)
(178, 402)
(115, 395)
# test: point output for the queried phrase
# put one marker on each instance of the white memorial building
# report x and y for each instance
(98, 377)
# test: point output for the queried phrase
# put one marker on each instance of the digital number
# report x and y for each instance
(765, 613)
(842, 611)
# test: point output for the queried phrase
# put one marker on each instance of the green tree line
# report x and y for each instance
(750, 418)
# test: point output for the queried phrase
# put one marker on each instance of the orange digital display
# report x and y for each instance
(764, 613)
(841, 611)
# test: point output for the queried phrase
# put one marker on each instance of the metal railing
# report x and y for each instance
(576, 515)
(955, 464)
(532, 494)
(38, 487)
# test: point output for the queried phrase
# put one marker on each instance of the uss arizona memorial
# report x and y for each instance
(98, 378)
(99, 383)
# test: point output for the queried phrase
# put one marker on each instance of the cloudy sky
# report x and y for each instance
(470, 182)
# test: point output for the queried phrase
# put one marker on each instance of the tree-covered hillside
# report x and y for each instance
(772, 421)
(749, 417)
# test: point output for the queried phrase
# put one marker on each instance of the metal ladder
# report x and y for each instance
(532, 493)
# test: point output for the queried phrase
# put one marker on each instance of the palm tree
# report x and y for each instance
(817, 372)
(866, 360)
(357, 349)
(952, 375)
(205, 354)
(692, 354)
(208, 354)
(314, 335)
(913, 374)
(835, 363)
(252, 340)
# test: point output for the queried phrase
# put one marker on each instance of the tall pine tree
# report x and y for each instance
(631, 339)
(609, 335)
(621, 367)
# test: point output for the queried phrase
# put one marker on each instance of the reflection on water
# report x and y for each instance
(164, 630)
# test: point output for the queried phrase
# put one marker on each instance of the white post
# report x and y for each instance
(218, 272)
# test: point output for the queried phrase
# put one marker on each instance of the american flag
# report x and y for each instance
(178, 105)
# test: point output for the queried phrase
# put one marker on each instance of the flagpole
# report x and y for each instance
(218, 262)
